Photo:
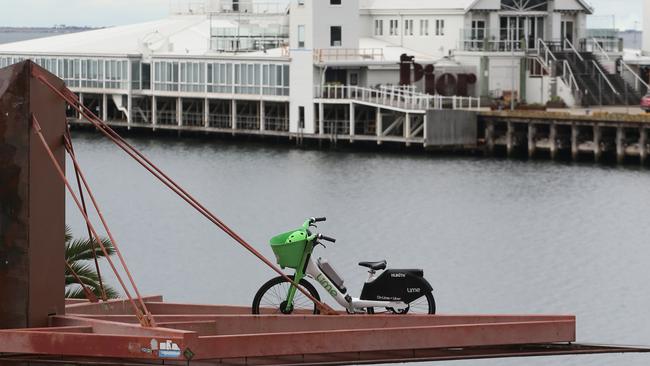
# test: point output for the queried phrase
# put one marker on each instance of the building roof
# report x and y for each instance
(174, 35)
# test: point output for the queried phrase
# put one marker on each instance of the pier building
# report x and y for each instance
(370, 70)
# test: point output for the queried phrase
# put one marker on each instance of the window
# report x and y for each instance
(301, 36)
(408, 27)
(301, 117)
(478, 30)
(440, 27)
(379, 27)
(336, 34)
(354, 79)
(424, 27)
(394, 27)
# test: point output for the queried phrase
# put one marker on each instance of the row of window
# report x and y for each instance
(221, 77)
(184, 76)
(409, 27)
(81, 72)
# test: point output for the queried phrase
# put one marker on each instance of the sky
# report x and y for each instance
(99, 13)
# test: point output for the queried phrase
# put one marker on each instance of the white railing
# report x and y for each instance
(569, 77)
(346, 54)
(569, 45)
(605, 45)
(597, 48)
(397, 97)
(547, 59)
(545, 53)
(604, 76)
(638, 81)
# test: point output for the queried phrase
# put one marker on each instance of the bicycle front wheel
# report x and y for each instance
(271, 298)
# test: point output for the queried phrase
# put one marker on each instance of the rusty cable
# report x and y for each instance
(70, 149)
(144, 321)
(160, 175)
(108, 231)
(89, 294)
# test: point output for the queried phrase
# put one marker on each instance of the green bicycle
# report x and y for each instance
(395, 291)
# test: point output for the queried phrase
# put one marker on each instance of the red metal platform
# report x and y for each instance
(109, 334)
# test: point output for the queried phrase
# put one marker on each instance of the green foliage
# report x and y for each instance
(79, 254)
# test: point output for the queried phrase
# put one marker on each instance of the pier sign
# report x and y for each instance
(447, 84)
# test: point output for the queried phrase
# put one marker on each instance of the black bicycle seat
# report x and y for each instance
(377, 266)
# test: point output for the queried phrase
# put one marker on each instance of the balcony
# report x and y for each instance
(324, 55)
(490, 40)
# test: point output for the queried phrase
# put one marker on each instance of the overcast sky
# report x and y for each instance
(16, 13)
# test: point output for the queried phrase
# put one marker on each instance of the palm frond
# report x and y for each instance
(68, 235)
(82, 249)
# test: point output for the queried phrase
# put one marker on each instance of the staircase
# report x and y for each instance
(596, 84)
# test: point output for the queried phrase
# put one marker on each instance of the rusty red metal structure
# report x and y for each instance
(145, 330)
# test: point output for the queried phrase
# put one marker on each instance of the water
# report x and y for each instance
(32, 33)
(492, 236)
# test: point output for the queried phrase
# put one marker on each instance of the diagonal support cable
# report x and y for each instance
(89, 294)
(145, 320)
(106, 228)
(70, 149)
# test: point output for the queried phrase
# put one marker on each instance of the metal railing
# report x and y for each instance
(545, 53)
(396, 97)
(604, 45)
(569, 78)
(548, 59)
(490, 40)
(346, 54)
(280, 124)
(638, 81)
(568, 45)
(220, 120)
(597, 71)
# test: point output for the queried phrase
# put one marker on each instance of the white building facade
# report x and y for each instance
(331, 67)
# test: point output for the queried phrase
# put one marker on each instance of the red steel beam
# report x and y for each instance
(367, 340)
(131, 341)
(251, 324)
(80, 344)
(359, 358)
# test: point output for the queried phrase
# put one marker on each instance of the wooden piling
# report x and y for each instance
(575, 133)
(553, 140)
(532, 144)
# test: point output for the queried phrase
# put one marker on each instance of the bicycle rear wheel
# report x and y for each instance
(423, 305)
(272, 296)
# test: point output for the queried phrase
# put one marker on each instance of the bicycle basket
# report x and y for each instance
(289, 248)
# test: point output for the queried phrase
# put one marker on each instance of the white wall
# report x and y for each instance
(432, 44)
(317, 17)
(325, 16)
(538, 90)
(501, 74)
(646, 27)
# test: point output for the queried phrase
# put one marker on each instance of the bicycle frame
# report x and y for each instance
(309, 268)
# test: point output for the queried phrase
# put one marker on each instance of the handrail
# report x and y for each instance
(541, 45)
(568, 76)
(396, 97)
(600, 48)
(567, 42)
(636, 76)
(604, 76)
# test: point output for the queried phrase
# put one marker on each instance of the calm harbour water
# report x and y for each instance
(493, 236)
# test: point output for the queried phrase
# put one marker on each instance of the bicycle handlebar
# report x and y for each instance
(318, 219)
(326, 238)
